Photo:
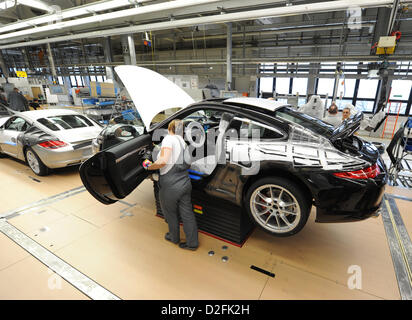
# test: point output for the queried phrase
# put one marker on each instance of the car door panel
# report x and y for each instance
(9, 142)
(114, 173)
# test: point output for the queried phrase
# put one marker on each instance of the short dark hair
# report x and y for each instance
(16, 89)
(333, 109)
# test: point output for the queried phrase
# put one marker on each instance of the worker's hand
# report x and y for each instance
(146, 164)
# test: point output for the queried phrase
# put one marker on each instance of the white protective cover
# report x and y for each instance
(151, 92)
(315, 107)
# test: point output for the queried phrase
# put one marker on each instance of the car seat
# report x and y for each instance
(315, 107)
(207, 164)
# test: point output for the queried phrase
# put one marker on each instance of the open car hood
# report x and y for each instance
(348, 127)
(151, 92)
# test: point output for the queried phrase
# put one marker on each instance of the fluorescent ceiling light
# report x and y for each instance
(108, 16)
(65, 14)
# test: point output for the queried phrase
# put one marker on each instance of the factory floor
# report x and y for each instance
(118, 251)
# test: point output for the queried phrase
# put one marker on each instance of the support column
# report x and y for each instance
(51, 61)
(229, 57)
(385, 86)
(108, 56)
(313, 73)
(132, 51)
(125, 50)
(337, 79)
(3, 66)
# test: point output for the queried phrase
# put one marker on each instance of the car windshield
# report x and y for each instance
(65, 122)
(130, 116)
(306, 121)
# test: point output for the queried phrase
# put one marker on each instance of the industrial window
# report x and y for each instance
(266, 84)
(397, 107)
(79, 81)
(365, 105)
(300, 86)
(399, 98)
(401, 90)
(341, 103)
(73, 82)
(267, 67)
(60, 80)
(325, 86)
(327, 67)
(346, 88)
(368, 88)
(282, 86)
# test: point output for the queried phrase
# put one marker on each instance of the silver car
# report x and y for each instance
(47, 139)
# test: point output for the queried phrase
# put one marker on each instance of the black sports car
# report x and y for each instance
(254, 154)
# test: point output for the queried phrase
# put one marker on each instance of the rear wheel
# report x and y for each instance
(35, 164)
(278, 206)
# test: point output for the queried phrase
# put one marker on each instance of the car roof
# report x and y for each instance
(37, 114)
(267, 104)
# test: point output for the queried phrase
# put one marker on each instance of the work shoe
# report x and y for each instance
(184, 245)
(169, 238)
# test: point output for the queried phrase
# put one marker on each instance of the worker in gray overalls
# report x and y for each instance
(175, 188)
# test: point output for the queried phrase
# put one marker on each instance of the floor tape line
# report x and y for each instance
(398, 258)
(77, 279)
(400, 241)
(43, 202)
(398, 197)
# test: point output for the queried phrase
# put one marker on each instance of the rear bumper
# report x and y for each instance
(346, 200)
(63, 157)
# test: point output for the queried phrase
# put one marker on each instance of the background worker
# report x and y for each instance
(3, 99)
(345, 113)
(332, 117)
(35, 104)
(17, 101)
(175, 187)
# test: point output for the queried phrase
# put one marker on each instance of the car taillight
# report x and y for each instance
(370, 172)
(53, 144)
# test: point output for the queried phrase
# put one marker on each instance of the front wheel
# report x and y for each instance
(35, 164)
(278, 206)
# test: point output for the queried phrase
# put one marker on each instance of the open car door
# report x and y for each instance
(114, 173)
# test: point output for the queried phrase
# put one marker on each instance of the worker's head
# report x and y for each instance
(176, 127)
(345, 113)
(16, 89)
(333, 109)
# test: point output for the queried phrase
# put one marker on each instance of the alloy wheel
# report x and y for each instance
(275, 208)
(33, 161)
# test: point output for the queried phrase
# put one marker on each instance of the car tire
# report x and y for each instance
(278, 206)
(35, 164)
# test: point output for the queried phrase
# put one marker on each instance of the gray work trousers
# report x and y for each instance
(175, 198)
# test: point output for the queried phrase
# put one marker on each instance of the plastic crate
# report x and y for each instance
(90, 101)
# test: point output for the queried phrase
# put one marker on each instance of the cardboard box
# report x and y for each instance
(102, 89)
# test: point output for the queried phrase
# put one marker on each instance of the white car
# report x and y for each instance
(47, 139)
